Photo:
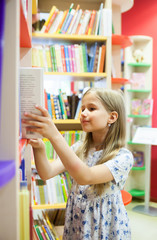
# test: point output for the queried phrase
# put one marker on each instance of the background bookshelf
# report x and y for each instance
(138, 183)
(119, 42)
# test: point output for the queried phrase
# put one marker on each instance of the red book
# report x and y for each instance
(45, 98)
(63, 59)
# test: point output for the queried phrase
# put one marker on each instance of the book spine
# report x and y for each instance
(91, 22)
(51, 20)
(47, 21)
(49, 104)
(67, 58)
(63, 58)
(68, 21)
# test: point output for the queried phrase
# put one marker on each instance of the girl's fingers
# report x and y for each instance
(42, 110)
(44, 113)
(33, 123)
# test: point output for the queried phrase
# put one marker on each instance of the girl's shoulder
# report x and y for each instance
(76, 145)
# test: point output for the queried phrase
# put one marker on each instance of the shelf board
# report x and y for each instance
(87, 76)
(124, 5)
(69, 37)
(120, 80)
(139, 168)
(132, 143)
(139, 64)
(68, 124)
(50, 206)
(7, 171)
(139, 90)
(121, 40)
(139, 116)
(137, 193)
(25, 38)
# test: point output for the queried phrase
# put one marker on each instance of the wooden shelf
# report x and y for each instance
(69, 37)
(50, 206)
(25, 38)
(68, 124)
(124, 5)
(86, 76)
(121, 40)
(7, 171)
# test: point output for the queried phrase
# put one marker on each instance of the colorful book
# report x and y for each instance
(48, 20)
(147, 107)
(103, 58)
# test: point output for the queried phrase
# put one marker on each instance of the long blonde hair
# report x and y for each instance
(115, 138)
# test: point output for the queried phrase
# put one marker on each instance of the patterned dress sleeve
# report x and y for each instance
(121, 165)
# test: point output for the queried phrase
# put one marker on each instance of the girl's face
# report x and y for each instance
(94, 117)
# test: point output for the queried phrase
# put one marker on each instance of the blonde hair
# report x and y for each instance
(115, 138)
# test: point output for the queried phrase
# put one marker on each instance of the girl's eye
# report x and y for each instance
(92, 109)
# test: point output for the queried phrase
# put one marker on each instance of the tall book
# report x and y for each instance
(31, 94)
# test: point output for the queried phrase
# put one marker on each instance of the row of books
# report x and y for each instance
(71, 137)
(51, 191)
(141, 107)
(62, 106)
(69, 58)
(78, 21)
(43, 228)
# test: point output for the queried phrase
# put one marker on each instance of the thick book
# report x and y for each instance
(31, 94)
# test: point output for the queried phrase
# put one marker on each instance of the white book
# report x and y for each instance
(99, 58)
(106, 23)
(56, 22)
(73, 22)
(31, 94)
(85, 22)
(77, 21)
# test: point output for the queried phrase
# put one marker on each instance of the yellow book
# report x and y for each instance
(48, 20)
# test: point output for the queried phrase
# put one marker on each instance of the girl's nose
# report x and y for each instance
(84, 112)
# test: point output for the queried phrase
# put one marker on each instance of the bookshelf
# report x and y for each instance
(119, 41)
(138, 183)
(15, 24)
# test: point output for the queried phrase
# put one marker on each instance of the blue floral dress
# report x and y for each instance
(93, 217)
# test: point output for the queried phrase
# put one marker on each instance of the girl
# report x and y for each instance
(99, 166)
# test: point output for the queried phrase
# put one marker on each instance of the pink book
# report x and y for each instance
(147, 107)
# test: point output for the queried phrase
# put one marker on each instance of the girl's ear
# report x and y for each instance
(113, 117)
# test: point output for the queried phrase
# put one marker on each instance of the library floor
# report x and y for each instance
(143, 227)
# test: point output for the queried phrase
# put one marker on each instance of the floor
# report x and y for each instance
(143, 227)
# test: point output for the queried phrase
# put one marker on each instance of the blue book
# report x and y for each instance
(86, 56)
(67, 62)
(49, 104)
(70, 16)
(92, 57)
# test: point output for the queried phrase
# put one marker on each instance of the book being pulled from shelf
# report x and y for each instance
(31, 94)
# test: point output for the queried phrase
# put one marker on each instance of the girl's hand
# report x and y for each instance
(41, 124)
(36, 143)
